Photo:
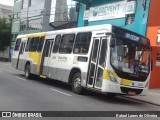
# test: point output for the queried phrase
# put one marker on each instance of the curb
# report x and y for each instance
(150, 102)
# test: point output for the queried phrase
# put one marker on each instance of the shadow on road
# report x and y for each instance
(119, 99)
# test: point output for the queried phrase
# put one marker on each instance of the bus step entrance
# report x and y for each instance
(43, 76)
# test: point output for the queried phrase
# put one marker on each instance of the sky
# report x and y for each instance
(7, 2)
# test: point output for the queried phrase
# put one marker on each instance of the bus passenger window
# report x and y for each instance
(28, 44)
(82, 43)
(22, 48)
(66, 45)
(34, 44)
(40, 44)
(17, 45)
(56, 44)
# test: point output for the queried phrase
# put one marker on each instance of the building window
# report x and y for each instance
(23, 25)
(18, 15)
(25, 3)
(29, 3)
(130, 19)
(14, 16)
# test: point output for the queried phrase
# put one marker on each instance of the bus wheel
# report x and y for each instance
(27, 72)
(76, 83)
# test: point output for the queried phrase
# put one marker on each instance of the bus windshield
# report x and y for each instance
(130, 57)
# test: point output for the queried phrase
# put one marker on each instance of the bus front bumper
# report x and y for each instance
(111, 87)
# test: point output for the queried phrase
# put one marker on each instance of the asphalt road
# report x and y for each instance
(19, 94)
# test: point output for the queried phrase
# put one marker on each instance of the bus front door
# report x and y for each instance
(46, 56)
(97, 63)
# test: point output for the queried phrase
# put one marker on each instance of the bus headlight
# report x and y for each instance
(112, 78)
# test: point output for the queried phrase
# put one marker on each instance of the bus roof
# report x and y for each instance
(107, 27)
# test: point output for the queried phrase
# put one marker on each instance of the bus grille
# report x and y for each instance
(126, 90)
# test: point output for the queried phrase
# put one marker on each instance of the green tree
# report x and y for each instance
(5, 33)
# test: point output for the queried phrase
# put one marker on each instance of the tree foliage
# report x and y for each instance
(5, 33)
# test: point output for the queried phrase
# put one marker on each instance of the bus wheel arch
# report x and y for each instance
(75, 80)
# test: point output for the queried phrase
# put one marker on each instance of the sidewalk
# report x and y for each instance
(4, 58)
(152, 97)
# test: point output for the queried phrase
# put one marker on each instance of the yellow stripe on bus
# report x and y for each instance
(34, 56)
(38, 64)
(106, 75)
(36, 34)
(126, 82)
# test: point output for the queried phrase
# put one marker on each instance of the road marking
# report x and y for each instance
(21, 78)
(60, 92)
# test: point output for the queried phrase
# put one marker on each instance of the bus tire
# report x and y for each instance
(76, 83)
(28, 72)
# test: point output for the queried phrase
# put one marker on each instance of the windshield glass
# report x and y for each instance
(128, 57)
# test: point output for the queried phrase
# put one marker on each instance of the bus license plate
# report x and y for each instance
(131, 93)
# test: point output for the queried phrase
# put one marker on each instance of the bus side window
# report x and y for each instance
(22, 48)
(82, 43)
(28, 44)
(57, 43)
(18, 42)
(67, 42)
(34, 44)
(40, 44)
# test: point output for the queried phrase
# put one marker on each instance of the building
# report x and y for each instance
(39, 15)
(30, 16)
(130, 14)
(15, 21)
(140, 16)
(61, 11)
(153, 33)
(5, 11)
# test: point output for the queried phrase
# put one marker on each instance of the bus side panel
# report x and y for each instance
(64, 64)
(52, 66)
(14, 62)
(52, 72)
(34, 69)
(59, 67)
(34, 60)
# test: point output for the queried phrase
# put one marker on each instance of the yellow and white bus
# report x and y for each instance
(104, 58)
